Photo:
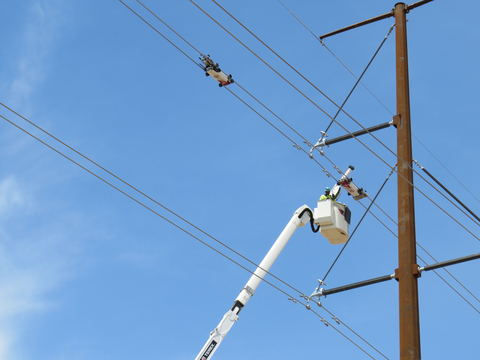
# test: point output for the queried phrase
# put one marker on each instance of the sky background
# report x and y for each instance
(87, 273)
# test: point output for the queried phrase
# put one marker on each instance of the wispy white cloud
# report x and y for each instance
(5, 340)
(34, 261)
(40, 31)
(11, 197)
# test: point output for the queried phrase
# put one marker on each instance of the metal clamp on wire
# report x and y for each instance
(318, 293)
(320, 144)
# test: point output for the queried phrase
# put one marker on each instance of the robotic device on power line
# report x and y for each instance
(347, 183)
(332, 219)
(211, 69)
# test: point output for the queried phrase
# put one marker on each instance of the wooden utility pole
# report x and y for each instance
(407, 272)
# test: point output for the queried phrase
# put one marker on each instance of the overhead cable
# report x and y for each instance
(196, 63)
(367, 209)
(134, 188)
(164, 23)
(294, 143)
(316, 105)
(296, 89)
(300, 21)
(446, 168)
(281, 132)
(365, 213)
(391, 112)
(449, 273)
(444, 188)
(360, 78)
(179, 227)
(284, 135)
(129, 185)
(446, 282)
(351, 72)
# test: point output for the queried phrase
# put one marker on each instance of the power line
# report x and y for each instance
(307, 140)
(351, 72)
(448, 272)
(373, 201)
(333, 119)
(446, 168)
(323, 168)
(174, 224)
(164, 23)
(326, 171)
(365, 213)
(360, 78)
(303, 95)
(378, 140)
(346, 67)
(300, 21)
(159, 33)
(294, 143)
(281, 132)
(153, 199)
(367, 209)
(446, 190)
(128, 184)
(454, 289)
(289, 127)
(136, 189)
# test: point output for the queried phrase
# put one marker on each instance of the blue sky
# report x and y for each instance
(87, 273)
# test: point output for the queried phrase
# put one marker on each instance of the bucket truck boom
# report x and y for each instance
(301, 217)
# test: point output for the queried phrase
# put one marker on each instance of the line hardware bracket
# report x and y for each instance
(415, 271)
(323, 141)
(317, 294)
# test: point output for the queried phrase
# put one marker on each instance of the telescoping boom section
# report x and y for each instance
(332, 219)
(299, 219)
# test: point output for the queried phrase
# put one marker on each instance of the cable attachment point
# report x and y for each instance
(320, 144)
(307, 142)
(334, 318)
(318, 292)
(391, 172)
(293, 300)
(418, 164)
(319, 303)
(391, 29)
(338, 170)
(297, 146)
(325, 322)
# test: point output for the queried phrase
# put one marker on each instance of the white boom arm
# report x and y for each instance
(217, 335)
